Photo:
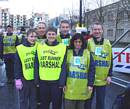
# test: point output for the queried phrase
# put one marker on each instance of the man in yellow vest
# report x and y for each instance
(10, 41)
(51, 70)
(24, 71)
(64, 36)
(102, 53)
(41, 30)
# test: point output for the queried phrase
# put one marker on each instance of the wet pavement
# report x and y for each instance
(9, 96)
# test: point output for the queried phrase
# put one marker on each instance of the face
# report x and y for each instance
(9, 30)
(97, 31)
(77, 44)
(41, 30)
(64, 28)
(51, 36)
(31, 38)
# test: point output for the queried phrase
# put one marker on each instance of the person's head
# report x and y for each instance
(77, 42)
(64, 27)
(23, 30)
(97, 30)
(9, 29)
(31, 36)
(51, 34)
(41, 28)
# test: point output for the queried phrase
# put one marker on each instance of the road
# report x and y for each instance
(9, 95)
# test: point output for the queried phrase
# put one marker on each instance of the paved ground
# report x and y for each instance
(9, 96)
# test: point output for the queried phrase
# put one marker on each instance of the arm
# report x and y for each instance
(111, 66)
(17, 67)
(63, 74)
(1, 47)
(91, 73)
(110, 70)
(36, 69)
(17, 41)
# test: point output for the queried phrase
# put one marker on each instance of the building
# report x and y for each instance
(18, 20)
(4, 17)
(40, 17)
(115, 19)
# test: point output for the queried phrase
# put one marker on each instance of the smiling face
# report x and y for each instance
(97, 31)
(41, 29)
(77, 44)
(64, 28)
(51, 36)
(31, 38)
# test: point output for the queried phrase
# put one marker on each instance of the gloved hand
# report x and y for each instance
(18, 84)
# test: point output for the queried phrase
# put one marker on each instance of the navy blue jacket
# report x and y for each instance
(64, 37)
(62, 80)
(1, 47)
(18, 72)
(91, 72)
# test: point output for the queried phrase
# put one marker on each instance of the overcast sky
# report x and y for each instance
(52, 7)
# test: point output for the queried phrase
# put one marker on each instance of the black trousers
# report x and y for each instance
(50, 92)
(100, 92)
(27, 95)
(9, 62)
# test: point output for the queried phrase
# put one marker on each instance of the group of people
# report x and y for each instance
(68, 70)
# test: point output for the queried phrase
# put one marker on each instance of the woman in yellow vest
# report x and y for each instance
(51, 70)
(24, 71)
(80, 74)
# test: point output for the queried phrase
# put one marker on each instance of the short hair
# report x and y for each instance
(64, 21)
(75, 37)
(41, 23)
(9, 26)
(22, 29)
(51, 29)
(97, 23)
(31, 31)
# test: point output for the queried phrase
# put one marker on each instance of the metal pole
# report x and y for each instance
(80, 14)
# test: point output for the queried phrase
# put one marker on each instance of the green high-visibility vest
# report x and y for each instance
(27, 55)
(102, 55)
(9, 44)
(65, 41)
(50, 61)
(77, 76)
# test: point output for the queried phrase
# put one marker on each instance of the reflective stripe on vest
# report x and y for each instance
(50, 61)
(27, 55)
(77, 77)
(102, 61)
(9, 44)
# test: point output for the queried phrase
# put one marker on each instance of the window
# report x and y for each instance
(121, 15)
(110, 16)
(119, 32)
(110, 33)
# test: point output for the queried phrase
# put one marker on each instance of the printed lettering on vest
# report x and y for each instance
(102, 63)
(77, 75)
